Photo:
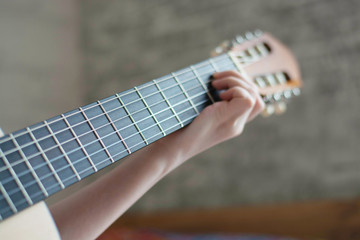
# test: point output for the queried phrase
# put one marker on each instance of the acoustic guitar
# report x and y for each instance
(42, 159)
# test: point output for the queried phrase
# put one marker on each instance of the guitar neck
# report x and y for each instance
(47, 157)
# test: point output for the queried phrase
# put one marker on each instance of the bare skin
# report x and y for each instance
(86, 214)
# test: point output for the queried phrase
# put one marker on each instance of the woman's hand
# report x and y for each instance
(241, 102)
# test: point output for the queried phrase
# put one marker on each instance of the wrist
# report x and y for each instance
(170, 151)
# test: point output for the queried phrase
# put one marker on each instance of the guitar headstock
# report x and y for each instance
(268, 63)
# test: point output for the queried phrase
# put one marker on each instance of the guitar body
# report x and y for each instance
(34, 222)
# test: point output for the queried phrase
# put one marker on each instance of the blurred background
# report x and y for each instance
(58, 55)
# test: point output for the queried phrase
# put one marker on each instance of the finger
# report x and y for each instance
(243, 92)
(236, 74)
(228, 79)
(227, 74)
(229, 82)
(238, 93)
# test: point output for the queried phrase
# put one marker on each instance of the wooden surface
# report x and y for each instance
(332, 220)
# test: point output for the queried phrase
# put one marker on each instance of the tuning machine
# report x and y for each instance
(239, 39)
(274, 108)
(276, 103)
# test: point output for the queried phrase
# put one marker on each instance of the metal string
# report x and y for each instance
(219, 58)
(78, 136)
(104, 125)
(82, 122)
(12, 192)
(196, 77)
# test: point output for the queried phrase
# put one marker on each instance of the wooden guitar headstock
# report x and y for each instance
(269, 64)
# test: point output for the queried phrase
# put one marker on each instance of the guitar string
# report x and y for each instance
(105, 125)
(99, 104)
(241, 57)
(62, 155)
(193, 107)
(102, 114)
(198, 104)
(13, 192)
(186, 70)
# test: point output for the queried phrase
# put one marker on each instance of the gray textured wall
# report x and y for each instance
(311, 152)
(39, 61)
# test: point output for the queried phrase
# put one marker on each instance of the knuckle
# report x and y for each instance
(261, 104)
(235, 128)
(238, 90)
(246, 97)
(235, 73)
(249, 101)
(233, 80)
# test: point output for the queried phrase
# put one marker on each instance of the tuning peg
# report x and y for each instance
(280, 107)
(258, 33)
(239, 39)
(295, 91)
(287, 94)
(276, 97)
(249, 35)
(269, 110)
(217, 51)
(223, 47)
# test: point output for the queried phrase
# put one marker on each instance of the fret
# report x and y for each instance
(124, 125)
(187, 96)
(79, 143)
(46, 158)
(150, 111)
(8, 199)
(15, 177)
(168, 103)
(32, 171)
(96, 134)
(132, 119)
(211, 61)
(62, 151)
(49, 156)
(202, 83)
(114, 127)
(85, 132)
(176, 96)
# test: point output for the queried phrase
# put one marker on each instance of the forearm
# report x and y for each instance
(87, 213)
(90, 211)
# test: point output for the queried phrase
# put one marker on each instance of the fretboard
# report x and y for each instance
(47, 157)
